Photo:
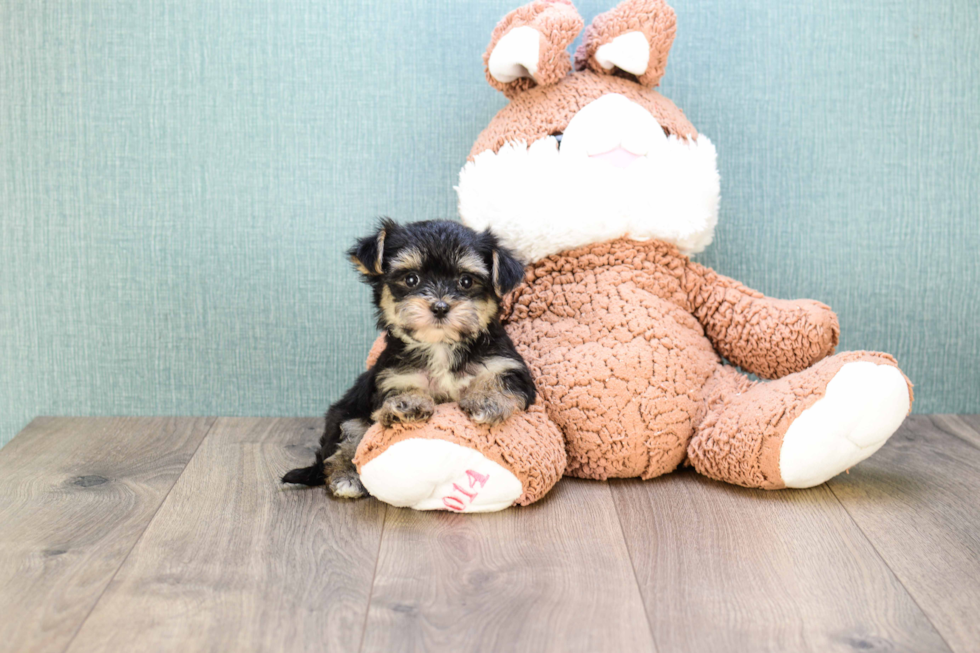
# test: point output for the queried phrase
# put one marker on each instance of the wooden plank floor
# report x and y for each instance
(75, 496)
(143, 534)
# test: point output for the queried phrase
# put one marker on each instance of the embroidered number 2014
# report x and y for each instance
(461, 498)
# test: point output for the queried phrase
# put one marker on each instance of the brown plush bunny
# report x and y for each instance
(605, 187)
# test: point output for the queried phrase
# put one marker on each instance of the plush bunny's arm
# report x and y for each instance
(767, 337)
(379, 346)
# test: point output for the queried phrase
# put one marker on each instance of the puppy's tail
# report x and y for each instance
(312, 475)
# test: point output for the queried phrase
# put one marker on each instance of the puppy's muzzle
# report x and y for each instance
(440, 309)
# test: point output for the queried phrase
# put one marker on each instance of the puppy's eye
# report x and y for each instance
(466, 282)
(412, 280)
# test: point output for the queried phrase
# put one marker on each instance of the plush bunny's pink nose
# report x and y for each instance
(617, 156)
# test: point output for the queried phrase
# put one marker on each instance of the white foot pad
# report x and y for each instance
(863, 406)
(438, 475)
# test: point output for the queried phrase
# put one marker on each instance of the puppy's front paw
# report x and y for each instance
(411, 407)
(346, 485)
(488, 407)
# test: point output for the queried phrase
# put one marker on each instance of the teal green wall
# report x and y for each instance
(178, 181)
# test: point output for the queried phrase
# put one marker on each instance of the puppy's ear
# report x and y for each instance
(506, 272)
(368, 253)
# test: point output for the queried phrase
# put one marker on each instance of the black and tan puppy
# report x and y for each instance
(437, 289)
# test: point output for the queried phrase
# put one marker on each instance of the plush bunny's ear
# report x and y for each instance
(528, 47)
(368, 253)
(633, 38)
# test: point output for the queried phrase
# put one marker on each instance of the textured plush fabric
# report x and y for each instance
(556, 18)
(179, 180)
(652, 18)
(527, 444)
(523, 119)
(622, 338)
(608, 333)
(767, 337)
(623, 334)
(739, 438)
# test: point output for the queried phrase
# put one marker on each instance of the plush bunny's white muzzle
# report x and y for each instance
(613, 129)
(615, 174)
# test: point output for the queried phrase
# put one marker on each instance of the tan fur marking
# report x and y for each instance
(413, 317)
(391, 381)
(473, 264)
(485, 311)
(389, 307)
(496, 273)
(360, 266)
(409, 259)
(494, 367)
(381, 252)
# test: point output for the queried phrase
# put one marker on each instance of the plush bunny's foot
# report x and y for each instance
(440, 475)
(863, 405)
(451, 463)
(803, 429)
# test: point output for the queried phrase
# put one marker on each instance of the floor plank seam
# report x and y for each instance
(960, 438)
(636, 580)
(146, 527)
(374, 576)
(890, 569)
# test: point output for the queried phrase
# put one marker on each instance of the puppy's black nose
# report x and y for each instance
(440, 309)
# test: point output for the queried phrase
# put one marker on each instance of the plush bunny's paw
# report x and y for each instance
(864, 404)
